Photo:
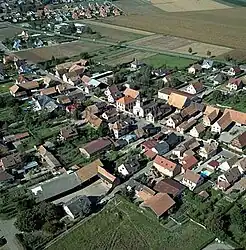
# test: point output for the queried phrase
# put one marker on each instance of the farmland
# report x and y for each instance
(180, 45)
(159, 60)
(220, 27)
(114, 33)
(123, 226)
(62, 50)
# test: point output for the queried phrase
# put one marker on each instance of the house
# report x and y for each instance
(207, 64)
(228, 164)
(5, 178)
(89, 172)
(223, 123)
(63, 100)
(191, 179)
(11, 161)
(94, 121)
(79, 206)
(178, 101)
(48, 157)
(193, 111)
(143, 192)
(233, 71)
(44, 102)
(127, 102)
(170, 187)
(188, 162)
(161, 148)
(110, 114)
(234, 84)
(110, 180)
(129, 167)
(68, 132)
(113, 93)
(209, 149)
(174, 120)
(166, 167)
(173, 140)
(186, 126)
(137, 64)
(149, 144)
(195, 68)
(195, 88)
(239, 143)
(48, 91)
(241, 165)
(165, 93)
(219, 79)
(141, 108)
(211, 114)
(160, 204)
(158, 112)
(24, 89)
(238, 117)
(197, 130)
(228, 178)
(95, 147)
(119, 128)
(57, 186)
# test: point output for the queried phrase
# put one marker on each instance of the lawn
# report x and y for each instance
(125, 226)
(6, 114)
(159, 60)
(4, 87)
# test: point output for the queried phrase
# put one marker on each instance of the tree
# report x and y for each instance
(190, 50)
(209, 53)
(51, 228)
(85, 55)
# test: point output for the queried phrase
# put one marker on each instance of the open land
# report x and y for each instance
(220, 27)
(180, 45)
(8, 32)
(159, 60)
(61, 50)
(125, 226)
(188, 5)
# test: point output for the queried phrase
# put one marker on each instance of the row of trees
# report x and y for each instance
(209, 53)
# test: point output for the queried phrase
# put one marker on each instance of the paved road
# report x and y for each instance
(8, 230)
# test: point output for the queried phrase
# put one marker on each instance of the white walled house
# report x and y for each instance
(195, 88)
(191, 179)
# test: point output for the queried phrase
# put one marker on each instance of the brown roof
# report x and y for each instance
(210, 109)
(20, 136)
(94, 120)
(225, 120)
(187, 125)
(165, 163)
(29, 85)
(76, 68)
(97, 145)
(168, 91)
(150, 154)
(149, 144)
(89, 171)
(169, 186)
(192, 176)
(11, 160)
(64, 99)
(48, 91)
(236, 116)
(42, 150)
(126, 100)
(131, 93)
(145, 193)
(189, 162)
(200, 128)
(159, 203)
(68, 132)
(198, 86)
(14, 88)
(176, 100)
(240, 141)
(177, 118)
(4, 176)
(85, 79)
(102, 172)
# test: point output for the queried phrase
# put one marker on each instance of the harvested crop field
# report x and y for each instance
(61, 50)
(188, 5)
(221, 27)
(237, 54)
(180, 45)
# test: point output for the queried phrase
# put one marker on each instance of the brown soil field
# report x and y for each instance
(188, 5)
(237, 54)
(221, 27)
(61, 50)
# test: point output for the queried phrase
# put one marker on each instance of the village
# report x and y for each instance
(79, 133)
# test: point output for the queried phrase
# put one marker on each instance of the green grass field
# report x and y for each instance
(125, 226)
(159, 60)
(4, 87)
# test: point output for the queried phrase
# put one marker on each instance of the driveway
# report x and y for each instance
(8, 230)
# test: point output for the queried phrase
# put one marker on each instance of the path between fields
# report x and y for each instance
(116, 27)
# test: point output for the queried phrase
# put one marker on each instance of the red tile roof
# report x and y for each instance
(165, 163)
(189, 162)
